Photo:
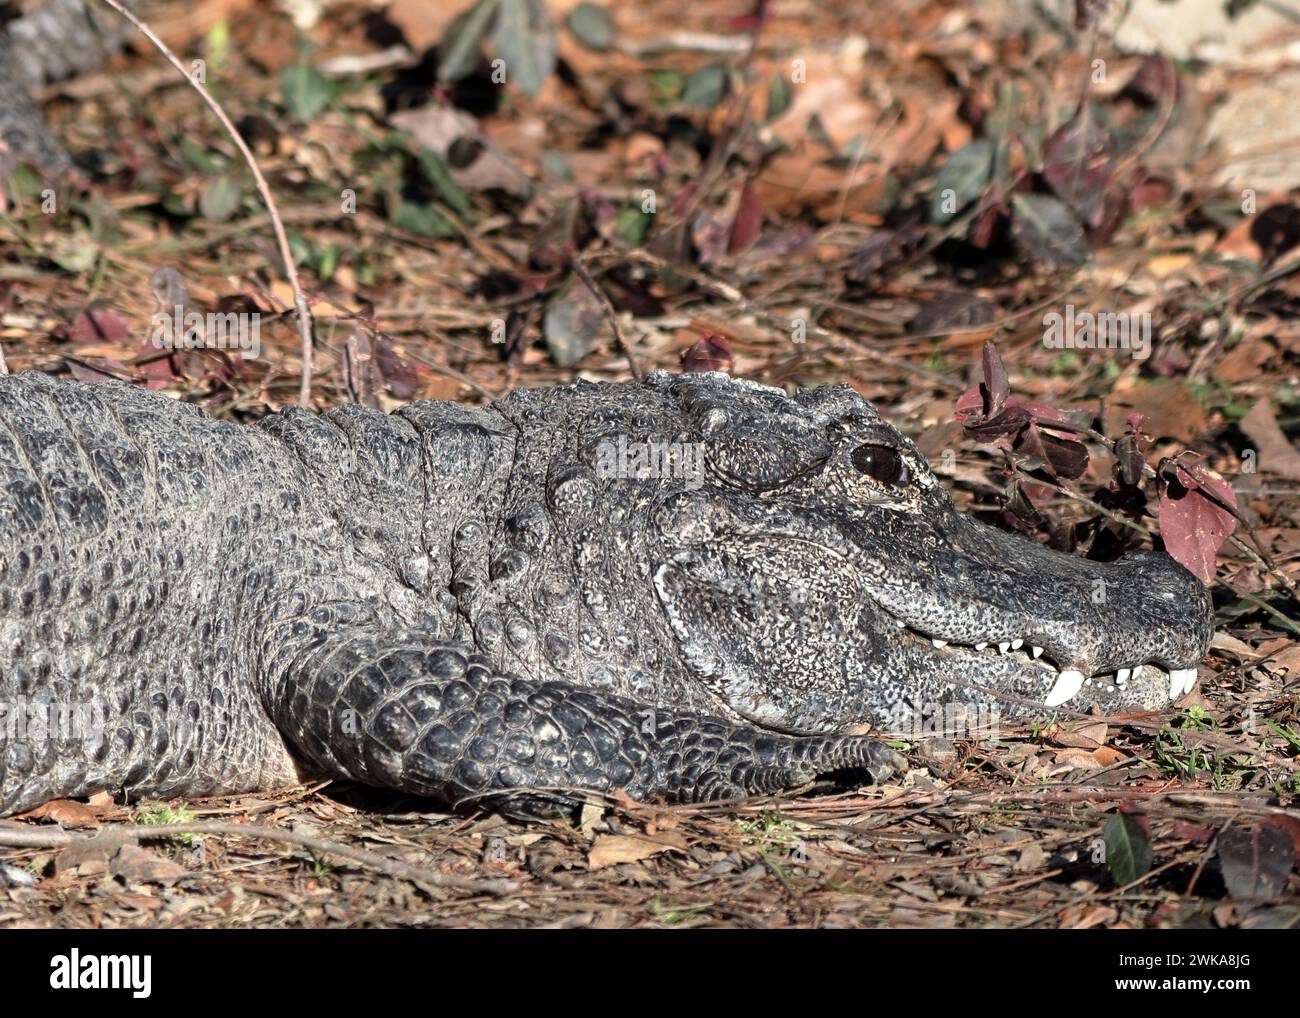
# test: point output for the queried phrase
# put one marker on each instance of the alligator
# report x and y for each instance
(690, 588)
(50, 41)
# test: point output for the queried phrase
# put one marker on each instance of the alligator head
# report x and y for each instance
(817, 577)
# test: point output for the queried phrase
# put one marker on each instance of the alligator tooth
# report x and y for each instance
(1185, 678)
(1004, 647)
(1035, 651)
(939, 644)
(981, 646)
(1122, 676)
(1017, 644)
(1067, 685)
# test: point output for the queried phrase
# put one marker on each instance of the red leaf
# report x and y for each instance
(996, 386)
(969, 402)
(1129, 460)
(1193, 832)
(99, 325)
(710, 353)
(748, 223)
(1192, 524)
(1287, 823)
(753, 21)
(1077, 163)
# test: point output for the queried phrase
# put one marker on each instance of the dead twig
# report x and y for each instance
(585, 275)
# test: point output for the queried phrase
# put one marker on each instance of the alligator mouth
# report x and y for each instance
(1044, 670)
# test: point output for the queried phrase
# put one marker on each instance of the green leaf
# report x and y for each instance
(425, 220)
(25, 184)
(592, 26)
(221, 198)
(75, 252)
(1128, 852)
(779, 93)
(1046, 231)
(307, 92)
(462, 47)
(631, 226)
(217, 43)
(436, 172)
(525, 40)
(198, 157)
(327, 262)
(706, 87)
(556, 164)
(961, 180)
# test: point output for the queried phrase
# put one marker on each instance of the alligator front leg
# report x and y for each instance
(406, 712)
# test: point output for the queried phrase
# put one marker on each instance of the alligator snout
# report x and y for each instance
(1002, 612)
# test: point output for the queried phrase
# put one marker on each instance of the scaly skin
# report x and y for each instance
(499, 604)
(46, 42)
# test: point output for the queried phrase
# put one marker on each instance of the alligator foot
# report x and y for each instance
(407, 712)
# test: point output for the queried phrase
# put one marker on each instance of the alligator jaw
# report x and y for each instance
(985, 608)
(1068, 686)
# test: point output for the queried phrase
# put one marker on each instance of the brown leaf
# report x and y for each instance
(1080, 758)
(952, 312)
(66, 813)
(1107, 756)
(1276, 453)
(1285, 822)
(572, 323)
(136, 865)
(1193, 832)
(449, 133)
(92, 373)
(1285, 662)
(1170, 409)
(1090, 735)
(612, 849)
(422, 24)
(1256, 862)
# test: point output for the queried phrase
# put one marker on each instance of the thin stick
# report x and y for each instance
(585, 275)
(15, 837)
(281, 239)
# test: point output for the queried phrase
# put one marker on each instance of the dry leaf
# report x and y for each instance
(1087, 736)
(1276, 453)
(612, 849)
(66, 813)
(136, 865)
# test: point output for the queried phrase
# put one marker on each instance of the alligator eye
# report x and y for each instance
(881, 463)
